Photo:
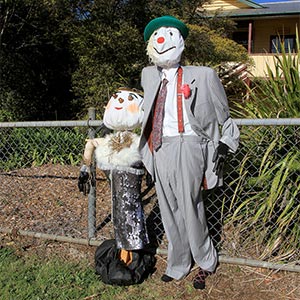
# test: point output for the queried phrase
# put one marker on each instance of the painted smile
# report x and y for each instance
(162, 52)
(118, 108)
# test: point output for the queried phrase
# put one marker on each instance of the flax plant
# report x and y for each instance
(277, 97)
(266, 204)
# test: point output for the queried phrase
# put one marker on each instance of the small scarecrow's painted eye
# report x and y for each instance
(114, 96)
(130, 98)
(171, 33)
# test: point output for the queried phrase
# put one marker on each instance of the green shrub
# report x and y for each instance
(26, 147)
(213, 50)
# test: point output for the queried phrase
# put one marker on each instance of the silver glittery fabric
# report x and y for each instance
(127, 210)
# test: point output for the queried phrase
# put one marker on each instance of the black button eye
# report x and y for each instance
(171, 33)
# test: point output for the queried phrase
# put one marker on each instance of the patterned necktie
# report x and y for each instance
(158, 116)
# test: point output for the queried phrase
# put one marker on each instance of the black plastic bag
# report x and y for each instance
(114, 271)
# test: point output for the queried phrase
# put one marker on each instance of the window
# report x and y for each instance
(288, 40)
(241, 38)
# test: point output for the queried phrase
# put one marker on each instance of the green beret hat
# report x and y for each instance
(165, 21)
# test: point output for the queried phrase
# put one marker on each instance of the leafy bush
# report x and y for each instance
(206, 47)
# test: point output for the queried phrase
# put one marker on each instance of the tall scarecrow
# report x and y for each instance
(182, 146)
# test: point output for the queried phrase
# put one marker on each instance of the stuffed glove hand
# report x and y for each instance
(219, 157)
(84, 179)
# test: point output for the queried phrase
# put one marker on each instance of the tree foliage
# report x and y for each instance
(110, 54)
(58, 57)
(35, 59)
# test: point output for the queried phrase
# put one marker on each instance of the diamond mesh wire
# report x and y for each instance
(255, 215)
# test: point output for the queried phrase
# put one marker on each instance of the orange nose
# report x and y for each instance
(161, 39)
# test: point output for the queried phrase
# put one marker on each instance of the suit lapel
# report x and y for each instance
(152, 87)
(190, 80)
(190, 102)
(188, 77)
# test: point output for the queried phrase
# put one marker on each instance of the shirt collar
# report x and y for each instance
(170, 73)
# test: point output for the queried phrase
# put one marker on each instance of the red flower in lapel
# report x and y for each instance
(186, 90)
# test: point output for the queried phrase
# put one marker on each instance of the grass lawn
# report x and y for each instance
(33, 270)
(29, 277)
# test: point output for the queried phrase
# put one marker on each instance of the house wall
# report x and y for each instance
(260, 62)
(263, 29)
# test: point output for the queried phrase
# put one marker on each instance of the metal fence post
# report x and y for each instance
(92, 193)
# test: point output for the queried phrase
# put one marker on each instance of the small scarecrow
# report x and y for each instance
(117, 154)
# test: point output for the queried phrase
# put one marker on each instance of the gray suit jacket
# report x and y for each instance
(207, 110)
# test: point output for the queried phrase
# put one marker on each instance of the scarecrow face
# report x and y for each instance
(123, 111)
(165, 47)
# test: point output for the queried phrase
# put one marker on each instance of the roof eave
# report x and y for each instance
(251, 4)
(257, 15)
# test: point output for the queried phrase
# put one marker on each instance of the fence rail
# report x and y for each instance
(96, 123)
(254, 219)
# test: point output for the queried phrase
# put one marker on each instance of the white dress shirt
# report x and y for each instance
(170, 124)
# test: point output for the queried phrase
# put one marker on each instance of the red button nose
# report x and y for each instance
(161, 39)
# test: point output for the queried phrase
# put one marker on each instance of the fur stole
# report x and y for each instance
(118, 149)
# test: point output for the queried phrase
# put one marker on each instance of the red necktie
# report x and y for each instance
(158, 116)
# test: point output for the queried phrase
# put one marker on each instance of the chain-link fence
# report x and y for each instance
(254, 217)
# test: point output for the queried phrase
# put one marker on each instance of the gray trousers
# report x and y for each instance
(179, 169)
